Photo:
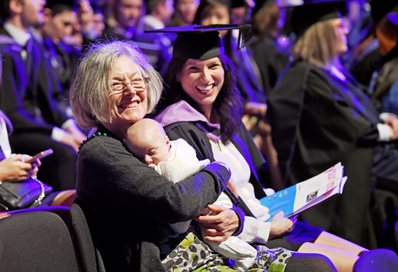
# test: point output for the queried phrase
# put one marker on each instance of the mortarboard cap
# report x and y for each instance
(380, 8)
(308, 12)
(238, 3)
(202, 42)
(57, 6)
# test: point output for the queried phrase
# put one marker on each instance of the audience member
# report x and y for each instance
(176, 161)
(114, 87)
(26, 95)
(59, 20)
(241, 11)
(158, 15)
(320, 116)
(202, 106)
(184, 12)
(384, 87)
(269, 46)
(125, 23)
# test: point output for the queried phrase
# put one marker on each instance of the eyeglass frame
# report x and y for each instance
(124, 83)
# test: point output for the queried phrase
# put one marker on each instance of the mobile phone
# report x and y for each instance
(40, 155)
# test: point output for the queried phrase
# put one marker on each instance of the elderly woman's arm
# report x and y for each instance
(107, 170)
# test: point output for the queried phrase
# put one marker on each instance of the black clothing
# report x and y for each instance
(318, 120)
(270, 60)
(26, 96)
(152, 47)
(129, 206)
(195, 133)
(197, 138)
(63, 59)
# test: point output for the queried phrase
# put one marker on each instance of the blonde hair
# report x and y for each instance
(317, 45)
(91, 86)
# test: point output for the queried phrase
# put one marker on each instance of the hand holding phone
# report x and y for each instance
(40, 155)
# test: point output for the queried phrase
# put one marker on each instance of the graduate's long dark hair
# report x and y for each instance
(228, 106)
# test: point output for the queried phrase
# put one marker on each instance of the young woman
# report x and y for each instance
(203, 106)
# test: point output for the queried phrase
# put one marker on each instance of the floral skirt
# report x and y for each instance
(194, 255)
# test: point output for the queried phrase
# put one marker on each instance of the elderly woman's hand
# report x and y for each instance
(219, 223)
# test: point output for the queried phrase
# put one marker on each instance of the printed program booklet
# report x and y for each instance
(306, 194)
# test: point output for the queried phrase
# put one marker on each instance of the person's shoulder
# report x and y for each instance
(100, 144)
(303, 71)
(181, 124)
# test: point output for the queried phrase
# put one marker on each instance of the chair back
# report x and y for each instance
(36, 241)
(47, 238)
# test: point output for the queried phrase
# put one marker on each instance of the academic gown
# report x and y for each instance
(318, 120)
(27, 97)
(270, 60)
(23, 94)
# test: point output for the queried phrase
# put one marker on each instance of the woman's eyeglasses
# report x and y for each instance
(138, 84)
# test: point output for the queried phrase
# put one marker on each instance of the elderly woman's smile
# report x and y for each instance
(128, 90)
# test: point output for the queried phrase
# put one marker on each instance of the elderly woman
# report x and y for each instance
(128, 205)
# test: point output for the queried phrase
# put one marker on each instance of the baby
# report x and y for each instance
(176, 160)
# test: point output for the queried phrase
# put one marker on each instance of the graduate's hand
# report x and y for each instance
(393, 124)
(281, 225)
(219, 224)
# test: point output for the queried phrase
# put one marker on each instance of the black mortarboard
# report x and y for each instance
(57, 6)
(308, 12)
(380, 8)
(238, 3)
(202, 42)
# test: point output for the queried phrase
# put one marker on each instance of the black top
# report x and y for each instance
(318, 120)
(129, 205)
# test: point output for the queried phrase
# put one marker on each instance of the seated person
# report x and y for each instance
(20, 167)
(176, 160)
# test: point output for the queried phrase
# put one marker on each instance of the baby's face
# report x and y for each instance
(156, 150)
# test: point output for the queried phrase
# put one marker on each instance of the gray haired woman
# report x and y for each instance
(128, 205)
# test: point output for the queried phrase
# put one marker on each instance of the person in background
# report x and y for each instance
(26, 95)
(17, 168)
(125, 22)
(115, 86)
(158, 15)
(384, 85)
(99, 19)
(59, 20)
(269, 46)
(184, 12)
(320, 116)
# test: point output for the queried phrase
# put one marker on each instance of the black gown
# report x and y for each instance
(318, 120)
(26, 96)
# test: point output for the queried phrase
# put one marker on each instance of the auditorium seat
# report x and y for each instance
(47, 239)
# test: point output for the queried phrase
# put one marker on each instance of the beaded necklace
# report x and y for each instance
(95, 134)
